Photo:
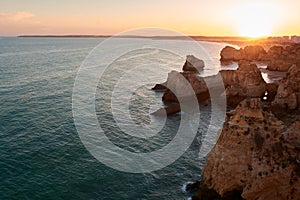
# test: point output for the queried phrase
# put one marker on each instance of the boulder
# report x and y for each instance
(193, 64)
(253, 157)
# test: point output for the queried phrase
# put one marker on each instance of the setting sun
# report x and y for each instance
(255, 19)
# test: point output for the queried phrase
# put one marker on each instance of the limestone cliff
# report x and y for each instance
(255, 157)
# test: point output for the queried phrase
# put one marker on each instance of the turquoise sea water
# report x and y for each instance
(41, 154)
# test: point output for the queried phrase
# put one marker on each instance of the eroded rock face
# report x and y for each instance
(193, 64)
(254, 53)
(229, 53)
(280, 65)
(279, 58)
(253, 155)
(288, 93)
(246, 81)
(249, 53)
(184, 85)
(292, 135)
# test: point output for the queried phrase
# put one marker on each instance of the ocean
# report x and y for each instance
(42, 155)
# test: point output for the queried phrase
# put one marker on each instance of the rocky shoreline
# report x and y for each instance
(257, 155)
(277, 58)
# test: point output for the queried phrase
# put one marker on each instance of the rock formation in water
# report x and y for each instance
(184, 85)
(255, 157)
(249, 53)
(193, 64)
(278, 58)
(244, 82)
(160, 86)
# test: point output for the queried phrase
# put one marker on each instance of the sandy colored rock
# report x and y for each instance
(253, 156)
(229, 53)
(288, 93)
(254, 52)
(246, 81)
(183, 85)
(193, 64)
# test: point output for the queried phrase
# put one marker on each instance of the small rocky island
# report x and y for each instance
(257, 154)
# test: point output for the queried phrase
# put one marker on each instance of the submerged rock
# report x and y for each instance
(253, 157)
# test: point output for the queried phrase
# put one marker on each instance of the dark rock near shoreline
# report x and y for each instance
(161, 86)
(193, 64)
(253, 155)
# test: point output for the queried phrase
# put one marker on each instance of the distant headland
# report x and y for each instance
(237, 40)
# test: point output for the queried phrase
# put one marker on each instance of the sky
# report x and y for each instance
(108, 17)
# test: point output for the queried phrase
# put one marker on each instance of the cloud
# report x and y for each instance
(17, 16)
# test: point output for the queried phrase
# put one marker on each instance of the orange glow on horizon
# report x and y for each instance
(250, 18)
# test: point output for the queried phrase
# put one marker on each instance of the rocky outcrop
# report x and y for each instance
(254, 53)
(254, 157)
(292, 135)
(281, 59)
(244, 82)
(280, 65)
(249, 53)
(179, 85)
(193, 64)
(160, 86)
(229, 53)
(288, 93)
(278, 58)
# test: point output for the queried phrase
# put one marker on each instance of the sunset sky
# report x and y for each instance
(194, 17)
